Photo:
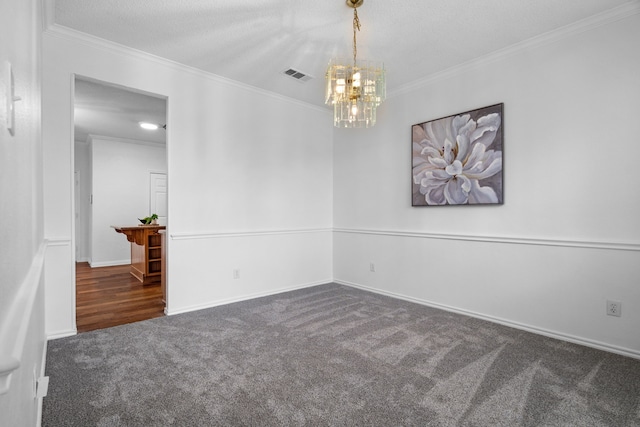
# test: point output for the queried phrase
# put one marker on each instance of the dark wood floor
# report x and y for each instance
(111, 296)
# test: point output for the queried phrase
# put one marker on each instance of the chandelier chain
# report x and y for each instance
(356, 27)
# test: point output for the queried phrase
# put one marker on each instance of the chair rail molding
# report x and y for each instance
(222, 235)
(15, 323)
(619, 246)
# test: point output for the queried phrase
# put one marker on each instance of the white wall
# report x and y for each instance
(120, 188)
(22, 247)
(248, 191)
(82, 165)
(570, 161)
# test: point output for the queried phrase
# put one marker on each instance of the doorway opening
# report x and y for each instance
(111, 296)
(120, 178)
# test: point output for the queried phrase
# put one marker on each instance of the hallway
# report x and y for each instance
(111, 296)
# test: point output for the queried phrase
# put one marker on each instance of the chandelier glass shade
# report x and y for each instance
(355, 91)
(355, 88)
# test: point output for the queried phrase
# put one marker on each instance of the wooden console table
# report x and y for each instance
(146, 251)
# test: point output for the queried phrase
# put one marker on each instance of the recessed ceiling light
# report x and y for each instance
(148, 126)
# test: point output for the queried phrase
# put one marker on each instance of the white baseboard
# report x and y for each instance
(94, 264)
(516, 325)
(62, 334)
(245, 297)
(43, 370)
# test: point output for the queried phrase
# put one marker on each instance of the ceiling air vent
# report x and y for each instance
(298, 75)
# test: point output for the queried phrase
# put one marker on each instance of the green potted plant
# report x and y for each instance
(149, 220)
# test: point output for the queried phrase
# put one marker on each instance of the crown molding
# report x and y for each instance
(55, 30)
(127, 140)
(624, 11)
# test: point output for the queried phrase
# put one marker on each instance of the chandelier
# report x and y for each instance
(355, 89)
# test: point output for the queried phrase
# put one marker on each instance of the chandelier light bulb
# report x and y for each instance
(356, 80)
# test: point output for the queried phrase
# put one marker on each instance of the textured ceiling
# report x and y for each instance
(253, 42)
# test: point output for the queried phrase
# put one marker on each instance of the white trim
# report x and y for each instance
(61, 242)
(8, 364)
(48, 13)
(162, 145)
(62, 334)
(219, 235)
(43, 366)
(246, 297)
(109, 263)
(63, 32)
(57, 241)
(15, 323)
(595, 21)
(516, 325)
(619, 246)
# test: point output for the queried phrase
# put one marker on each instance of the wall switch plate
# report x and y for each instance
(614, 308)
(372, 267)
(236, 273)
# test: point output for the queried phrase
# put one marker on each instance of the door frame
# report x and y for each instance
(72, 175)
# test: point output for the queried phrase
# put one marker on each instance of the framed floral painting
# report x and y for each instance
(457, 160)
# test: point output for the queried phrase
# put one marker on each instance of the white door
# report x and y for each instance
(158, 197)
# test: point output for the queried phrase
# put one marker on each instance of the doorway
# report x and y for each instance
(119, 176)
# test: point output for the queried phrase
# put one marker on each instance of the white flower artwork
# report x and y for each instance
(457, 160)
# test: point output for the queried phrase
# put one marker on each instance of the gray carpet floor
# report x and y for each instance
(333, 356)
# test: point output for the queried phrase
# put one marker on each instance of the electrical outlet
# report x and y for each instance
(614, 308)
(236, 273)
(372, 267)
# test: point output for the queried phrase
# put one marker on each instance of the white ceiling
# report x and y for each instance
(107, 110)
(254, 41)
